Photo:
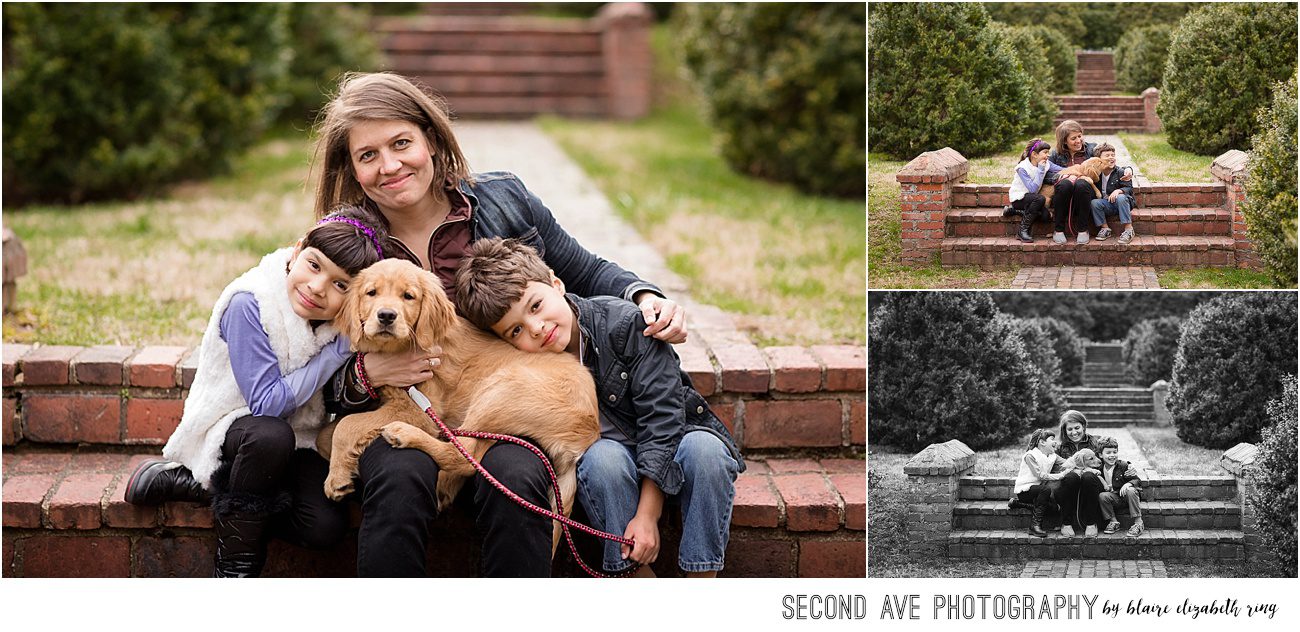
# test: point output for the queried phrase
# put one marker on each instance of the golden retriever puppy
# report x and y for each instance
(482, 383)
(1083, 461)
(1090, 169)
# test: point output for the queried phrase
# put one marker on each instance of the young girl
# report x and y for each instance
(1031, 170)
(1033, 481)
(249, 426)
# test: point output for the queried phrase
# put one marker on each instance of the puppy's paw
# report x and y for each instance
(402, 435)
(337, 487)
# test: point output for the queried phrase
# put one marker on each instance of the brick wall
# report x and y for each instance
(1231, 169)
(777, 398)
(926, 195)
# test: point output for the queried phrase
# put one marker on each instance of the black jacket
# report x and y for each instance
(1117, 478)
(1114, 182)
(642, 388)
(1068, 448)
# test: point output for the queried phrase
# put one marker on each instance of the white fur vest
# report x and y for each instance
(214, 401)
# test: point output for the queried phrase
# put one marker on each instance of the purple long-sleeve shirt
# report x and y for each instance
(268, 392)
(1035, 182)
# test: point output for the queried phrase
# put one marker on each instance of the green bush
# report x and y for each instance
(1270, 207)
(784, 86)
(1224, 60)
(1104, 27)
(1149, 350)
(1232, 355)
(1060, 56)
(1068, 346)
(1066, 17)
(1274, 494)
(1140, 57)
(328, 40)
(115, 100)
(1032, 57)
(945, 366)
(941, 77)
(1038, 344)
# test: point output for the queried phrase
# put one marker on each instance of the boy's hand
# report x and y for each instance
(1128, 174)
(645, 531)
(664, 319)
(402, 369)
(1114, 195)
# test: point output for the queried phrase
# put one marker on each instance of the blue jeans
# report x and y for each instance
(609, 489)
(1123, 206)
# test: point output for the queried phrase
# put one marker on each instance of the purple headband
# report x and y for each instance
(365, 229)
(1033, 144)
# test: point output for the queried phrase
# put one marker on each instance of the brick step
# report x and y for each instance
(1097, 88)
(64, 515)
(1145, 250)
(989, 222)
(404, 39)
(1175, 194)
(1086, 108)
(774, 399)
(1104, 352)
(521, 106)
(1160, 514)
(1107, 122)
(1095, 402)
(1154, 487)
(453, 85)
(1118, 423)
(1096, 101)
(416, 64)
(1110, 411)
(1167, 544)
(1096, 72)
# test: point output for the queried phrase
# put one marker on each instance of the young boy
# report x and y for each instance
(1117, 198)
(1120, 485)
(658, 436)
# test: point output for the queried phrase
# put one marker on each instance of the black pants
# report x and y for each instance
(1078, 498)
(397, 489)
(259, 463)
(1039, 495)
(1072, 206)
(1033, 205)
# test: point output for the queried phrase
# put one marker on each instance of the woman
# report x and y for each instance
(1078, 492)
(387, 146)
(1072, 201)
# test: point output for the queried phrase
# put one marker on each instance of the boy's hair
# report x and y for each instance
(492, 276)
(1102, 148)
(350, 237)
(1063, 132)
(380, 96)
(1073, 416)
(1038, 436)
(1107, 442)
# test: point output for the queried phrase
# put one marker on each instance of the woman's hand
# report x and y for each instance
(1128, 174)
(665, 319)
(644, 530)
(402, 369)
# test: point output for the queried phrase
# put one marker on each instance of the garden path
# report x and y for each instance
(583, 210)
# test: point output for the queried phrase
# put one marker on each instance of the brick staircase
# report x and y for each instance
(1187, 517)
(1103, 114)
(1176, 225)
(489, 65)
(1095, 73)
(78, 420)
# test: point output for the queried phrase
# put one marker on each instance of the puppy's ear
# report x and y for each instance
(437, 314)
(348, 320)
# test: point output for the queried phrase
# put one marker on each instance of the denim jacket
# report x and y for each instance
(642, 389)
(502, 207)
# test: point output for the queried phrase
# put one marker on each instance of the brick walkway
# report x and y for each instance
(1093, 568)
(1087, 278)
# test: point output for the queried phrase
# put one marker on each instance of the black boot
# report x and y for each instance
(1026, 225)
(242, 525)
(1011, 211)
(1036, 529)
(157, 481)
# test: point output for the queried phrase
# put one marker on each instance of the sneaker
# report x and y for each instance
(1111, 527)
(1083, 238)
(1090, 531)
(1067, 531)
(1136, 530)
(1058, 238)
(1126, 236)
(1104, 233)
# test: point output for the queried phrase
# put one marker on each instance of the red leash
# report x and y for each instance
(558, 515)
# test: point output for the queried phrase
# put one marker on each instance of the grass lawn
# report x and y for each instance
(787, 265)
(148, 271)
(1160, 162)
(887, 500)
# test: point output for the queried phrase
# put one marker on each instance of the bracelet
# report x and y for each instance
(361, 376)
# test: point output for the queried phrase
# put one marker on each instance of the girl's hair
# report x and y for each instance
(350, 237)
(1073, 417)
(379, 96)
(1038, 437)
(1063, 132)
(1034, 146)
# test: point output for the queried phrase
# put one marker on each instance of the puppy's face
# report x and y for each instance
(1094, 166)
(393, 305)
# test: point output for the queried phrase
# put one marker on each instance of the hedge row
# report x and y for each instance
(1271, 203)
